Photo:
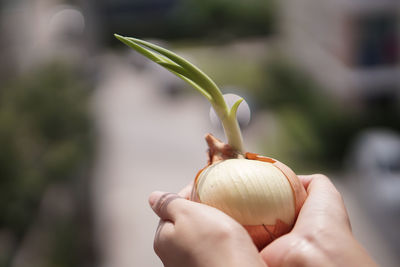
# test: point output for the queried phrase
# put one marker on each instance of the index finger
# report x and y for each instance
(324, 203)
(306, 179)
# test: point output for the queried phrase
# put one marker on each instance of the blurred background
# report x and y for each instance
(88, 127)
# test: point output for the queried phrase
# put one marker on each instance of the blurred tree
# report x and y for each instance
(222, 18)
(45, 139)
(316, 129)
(195, 19)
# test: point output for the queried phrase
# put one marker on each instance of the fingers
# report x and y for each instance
(167, 205)
(186, 191)
(306, 179)
(318, 184)
(164, 232)
(324, 203)
(319, 180)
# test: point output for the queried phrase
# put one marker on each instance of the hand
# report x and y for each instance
(193, 234)
(322, 234)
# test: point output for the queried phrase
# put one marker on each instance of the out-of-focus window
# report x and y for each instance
(378, 40)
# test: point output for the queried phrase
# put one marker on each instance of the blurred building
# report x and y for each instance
(37, 31)
(351, 46)
(45, 135)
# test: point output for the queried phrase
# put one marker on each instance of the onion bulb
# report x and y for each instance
(261, 193)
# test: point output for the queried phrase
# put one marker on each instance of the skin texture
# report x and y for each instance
(194, 234)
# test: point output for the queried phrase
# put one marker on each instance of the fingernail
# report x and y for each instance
(154, 197)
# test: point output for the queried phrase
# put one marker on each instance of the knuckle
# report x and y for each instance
(163, 238)
(225, 231)
(161, 243)
(296, 256)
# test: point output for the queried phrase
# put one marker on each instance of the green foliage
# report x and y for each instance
(310, 122)
(224, 18)
(45, 138)
(315, 129)
(209, 20)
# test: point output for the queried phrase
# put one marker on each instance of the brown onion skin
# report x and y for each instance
(262, 235)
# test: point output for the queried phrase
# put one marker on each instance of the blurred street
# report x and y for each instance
(145, 144)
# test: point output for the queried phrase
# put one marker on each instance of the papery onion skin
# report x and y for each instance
(262, 231)
(251, 191)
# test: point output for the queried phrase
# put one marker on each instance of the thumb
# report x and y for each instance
(160, 203)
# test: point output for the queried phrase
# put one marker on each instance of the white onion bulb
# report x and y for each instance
(261, 193)
(250, 191)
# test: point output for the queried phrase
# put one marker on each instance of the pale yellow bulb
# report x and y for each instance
(250, 191)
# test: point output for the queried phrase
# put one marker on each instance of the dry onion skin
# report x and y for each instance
(261, 193)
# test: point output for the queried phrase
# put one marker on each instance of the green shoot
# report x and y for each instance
(197, 79)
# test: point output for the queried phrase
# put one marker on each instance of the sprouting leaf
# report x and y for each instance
(175, 64)
(197, 79)
(234, 108)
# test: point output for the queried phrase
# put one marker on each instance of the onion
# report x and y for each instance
(261, 193)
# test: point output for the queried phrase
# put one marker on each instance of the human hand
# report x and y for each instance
(322, 234)
(194, 234)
